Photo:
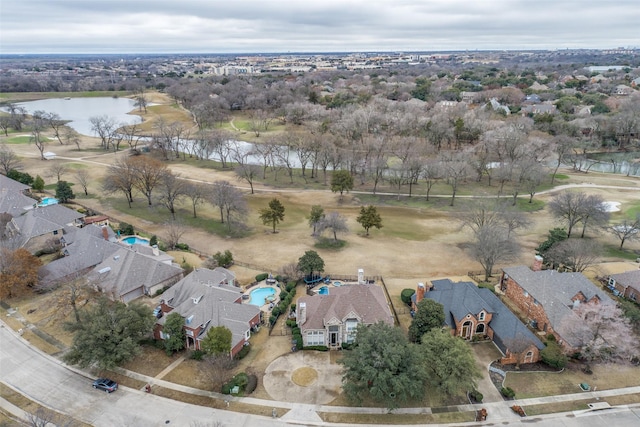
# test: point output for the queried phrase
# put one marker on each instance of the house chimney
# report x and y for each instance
(420, 292)
(302, 313)
(105, 233)
(537, 263)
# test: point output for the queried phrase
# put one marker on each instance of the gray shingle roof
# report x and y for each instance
(366, 301)
(129, 270)
(12, 185)
(87, 248)
(462, 298)
(215, 304)
(629, 278)
(554, 291)
(14, 202)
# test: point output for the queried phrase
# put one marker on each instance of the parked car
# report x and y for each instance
(105, 384)
(157, 312)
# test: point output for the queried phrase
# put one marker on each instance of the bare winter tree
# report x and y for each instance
(291, 271)
(171, 188)
(57, 169)
(626, 230)
(604, 333)
(219, 367)
(230, 201)
(82, 177)
(121, 177)
(491, 246)
(173, 231)
(8, 159)
(196, 193)
(593, 211)
(148, 174)
(244, 169)
(455, 169)
(38, 126)
(105, 128)
(334, 222)
(577, 255)
(70, 136)
(567, 207)
(56, 124)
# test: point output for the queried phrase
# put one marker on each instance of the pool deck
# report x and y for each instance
(264, 307)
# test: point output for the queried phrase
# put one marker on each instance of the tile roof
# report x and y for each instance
(367, 302)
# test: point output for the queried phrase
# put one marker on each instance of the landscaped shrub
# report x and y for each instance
(553, 356)
(276, 311)
(272, 320)
(551, 337)
(226, 388)
(406, 294)
(298, 340)
(197, 355)
(153, 241)
(241, 380)
(316, 347)
(182, 246)
(252, 383)
(476, 396)
(291, 323)
(126, 229)
(262, 276)
(243, 352)
(508, 392)
(295, 330)
(290, 286)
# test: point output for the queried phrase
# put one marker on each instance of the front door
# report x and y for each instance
(333, 336)
(466, 330)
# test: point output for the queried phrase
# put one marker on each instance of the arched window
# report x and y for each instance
(480, 328)
(481, 315)
(528, 357)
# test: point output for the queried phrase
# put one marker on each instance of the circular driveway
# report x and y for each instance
(280, 386)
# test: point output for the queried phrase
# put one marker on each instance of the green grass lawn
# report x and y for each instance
(22, 139)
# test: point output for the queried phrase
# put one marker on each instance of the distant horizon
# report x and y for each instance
(311, 52)
(166, 27)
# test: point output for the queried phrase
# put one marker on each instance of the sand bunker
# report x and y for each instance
(612, 206)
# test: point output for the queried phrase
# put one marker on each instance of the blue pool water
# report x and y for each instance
(258, 296)
(323, 291)
(337, 283)
(133, 240)
(48, 201)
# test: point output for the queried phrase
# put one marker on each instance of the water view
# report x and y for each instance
(80, 110)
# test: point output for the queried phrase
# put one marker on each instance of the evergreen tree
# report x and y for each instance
(273, 214)
(369, 217)
(341, 181)
(174, 332)
(64, 193)
(217, 341)
(430, 315)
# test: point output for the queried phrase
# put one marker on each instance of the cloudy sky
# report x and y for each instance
(230, 26)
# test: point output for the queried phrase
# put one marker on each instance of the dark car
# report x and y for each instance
(105, 384)
(157, 312)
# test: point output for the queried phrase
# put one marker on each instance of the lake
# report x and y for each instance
(80, 110)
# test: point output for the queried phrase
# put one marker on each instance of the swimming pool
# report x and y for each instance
(259, 296)
(135, 240)
(48, 201)
(323, 291)
(336, 283)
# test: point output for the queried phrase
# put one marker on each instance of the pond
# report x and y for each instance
(80, 110)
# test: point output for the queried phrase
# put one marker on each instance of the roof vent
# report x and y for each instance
(116, 257)
(104, 270)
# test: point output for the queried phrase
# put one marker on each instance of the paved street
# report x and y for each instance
(46, 380)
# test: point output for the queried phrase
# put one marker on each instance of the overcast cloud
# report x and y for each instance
(214, 26)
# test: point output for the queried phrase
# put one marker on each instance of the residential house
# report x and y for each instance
(626, 284)
(131, 272)
(548, 298)
(635, 82)
(538, 109)
(472, 312)
(206, 299)
(12, 186)
(83, 249)
(332, 319)
(41, 226)
(623, 90)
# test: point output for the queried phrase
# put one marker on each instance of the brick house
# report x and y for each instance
(205, 299)
(471, 312)
(332, 319)
(548, 299)
(626, 284)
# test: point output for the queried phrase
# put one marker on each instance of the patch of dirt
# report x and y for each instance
(304, 376)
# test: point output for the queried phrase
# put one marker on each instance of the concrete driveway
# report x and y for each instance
(279, 385)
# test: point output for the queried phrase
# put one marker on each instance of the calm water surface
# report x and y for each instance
(81, 110)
